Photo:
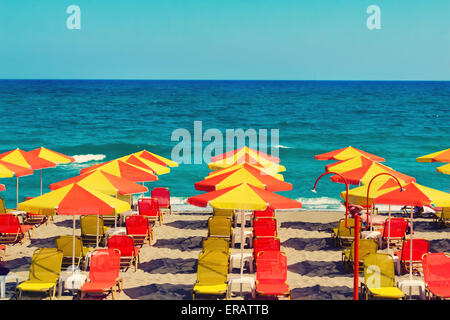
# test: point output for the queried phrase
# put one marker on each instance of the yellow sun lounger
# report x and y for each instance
(65, 244)
(44, 272)
(343, 236)
(379, 277)
(214, 243)
(229, 213)
(366, 246)
(219, 227)
(212, 274)
(89, 229)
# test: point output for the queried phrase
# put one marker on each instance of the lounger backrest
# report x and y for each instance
(271, 265)
(163, 196)
(223, 212)
(219, 226)
(346, 232)
(148, 207)
(265, 226)
(9, 223)
(2, 205)
(446, 213)
(65, 244)
(366, 246)
(436, 268)
(123, 243)
(136, 225)
(420, 247)
(212, 267)
(105, 265)
(88, 225)
(46, 265)
(397, 227)
(265, 244)
(379, 270)
(269, 212)
(212, 243)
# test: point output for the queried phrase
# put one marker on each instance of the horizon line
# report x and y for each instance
(187, 79)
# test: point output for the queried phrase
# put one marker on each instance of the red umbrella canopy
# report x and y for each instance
(2, 187)
(248, 174)
(409, 195)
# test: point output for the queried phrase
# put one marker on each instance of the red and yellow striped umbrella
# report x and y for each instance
(440, 156)
(124, 170)
(237, 166)
(250, 175)
(347, 153)
(245, 150)
(156, 158)
(52, 156)
(103, 182)
(249, 159)
(243, 197)
(444, 169)
(157, 168)
(360, 170)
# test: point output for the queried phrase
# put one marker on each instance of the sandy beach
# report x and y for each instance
(167, 268)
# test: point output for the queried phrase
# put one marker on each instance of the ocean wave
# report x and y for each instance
(280, 146)
(88, 157)
(321, 203)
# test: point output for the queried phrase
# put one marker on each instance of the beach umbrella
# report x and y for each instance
(2, 187)
(157, 168)
(25, 159)
(156, 158)
(74, 199)
(440, 156)
(103, 182)
(246, 158)
(124, 170)
(52, 156)
(237, 166)
(444, 169)
(361, 170)
(243, 197)
(244, 150)
(250, 175)
(347, 153)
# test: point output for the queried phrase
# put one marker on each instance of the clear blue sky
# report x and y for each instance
(226, 39)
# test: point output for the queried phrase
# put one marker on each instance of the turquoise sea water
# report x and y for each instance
(103, 120)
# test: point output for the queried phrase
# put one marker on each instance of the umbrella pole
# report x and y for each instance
(242, 247)
(115, 216)
(73, 246)
(96, 239)
(411, 245)
(41, 182)
(17, 193)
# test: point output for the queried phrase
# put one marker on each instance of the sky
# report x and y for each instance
(226, 39)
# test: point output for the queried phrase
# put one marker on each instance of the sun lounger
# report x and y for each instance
(379, 277)
(163, 197)
(265, 244)
(65, 244)
(268, 213)
(366, 246)
(129, 254)
(103, 273)
(395, 230)
(342, 236)
(214, 243)
(420, 247)
(442, 217)
(212, 274)
(89, 229)
(11, 231)
(436, 274)
(44, 272)
(229, 213)
(3, 208)
(265, 227)
(271, 274)
(148, 207)
(139, 229)
(219, 227)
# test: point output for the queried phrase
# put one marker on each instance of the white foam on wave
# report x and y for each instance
(279, 146)
(82, 158)
(321, 203)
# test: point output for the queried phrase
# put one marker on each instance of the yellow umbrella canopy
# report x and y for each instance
(347, 153)
(71, 198)
(439, 156)
(237, 153)
(444, 169)
(156, 158)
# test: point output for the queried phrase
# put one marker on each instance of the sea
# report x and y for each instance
(100, 120)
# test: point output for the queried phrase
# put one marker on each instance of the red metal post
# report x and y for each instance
(356, 260)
